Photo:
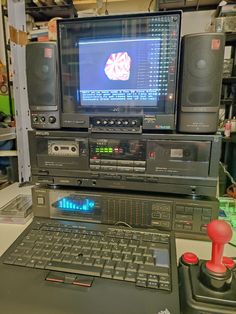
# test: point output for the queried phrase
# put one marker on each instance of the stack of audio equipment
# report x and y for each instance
(143, 167)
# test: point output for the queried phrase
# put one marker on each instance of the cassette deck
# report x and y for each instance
(170, 163)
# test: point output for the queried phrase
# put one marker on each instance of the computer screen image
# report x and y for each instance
(115, 71)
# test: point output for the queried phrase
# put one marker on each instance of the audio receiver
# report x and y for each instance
(186, 216)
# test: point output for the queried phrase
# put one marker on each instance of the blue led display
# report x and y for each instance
(83, 206)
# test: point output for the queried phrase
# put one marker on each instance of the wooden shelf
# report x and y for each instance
(83, 2)
(8, 153)
(229, 80)
(7, 134)
(45, 13)
(230, 39)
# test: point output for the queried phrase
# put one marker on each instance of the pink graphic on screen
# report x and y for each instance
(117, 67)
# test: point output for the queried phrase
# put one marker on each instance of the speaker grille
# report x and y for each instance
(202, 63)
(200, 81)
(41, 70)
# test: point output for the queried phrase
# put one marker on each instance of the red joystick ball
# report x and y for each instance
(220, 233)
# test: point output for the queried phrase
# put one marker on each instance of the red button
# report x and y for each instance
(227, 261)
(189, 258)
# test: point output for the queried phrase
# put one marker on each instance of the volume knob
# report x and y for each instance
(52, 119)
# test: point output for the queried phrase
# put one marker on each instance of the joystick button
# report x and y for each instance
(227, 261)
(189, 258)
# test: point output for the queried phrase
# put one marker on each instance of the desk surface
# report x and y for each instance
(9, 232)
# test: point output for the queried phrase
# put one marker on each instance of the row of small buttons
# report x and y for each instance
(115, 130)
(111, 122)
(183, 226)
(118, 169)
(114, 162)
(159, 223)
(181, 209)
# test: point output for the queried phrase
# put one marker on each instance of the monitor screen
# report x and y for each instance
(119, 63)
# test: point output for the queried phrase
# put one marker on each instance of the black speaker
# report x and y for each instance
(201, 68)
(43, 84)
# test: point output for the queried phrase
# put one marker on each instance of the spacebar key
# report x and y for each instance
(74, 268)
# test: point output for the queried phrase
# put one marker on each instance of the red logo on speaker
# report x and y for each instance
(215, 44)
(47, 53)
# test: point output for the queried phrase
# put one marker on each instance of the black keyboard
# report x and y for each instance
(71, 250)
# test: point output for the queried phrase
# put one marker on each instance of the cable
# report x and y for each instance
(198, 2)
(123, 223)
(149, 6)
(228, 174)
(106, 10)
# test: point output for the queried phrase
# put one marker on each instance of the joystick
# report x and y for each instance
(220, 233)
(209, 286)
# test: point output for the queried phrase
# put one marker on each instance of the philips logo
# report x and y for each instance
(166, 311)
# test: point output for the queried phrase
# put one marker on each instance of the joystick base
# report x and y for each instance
(196, 298)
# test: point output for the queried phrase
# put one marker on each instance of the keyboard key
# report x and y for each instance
(97, 247)
(55, 277)
(47, 256)
(57, 257)
(138, 260)
(75, 268)
(153, 278)
(110, 264)
(66, 250)
(117, 257)
(69, 278)
(127, 258)
(152, 284)
(31, 263)
(133, 243)
(164, 286)
(107, 273)
(121, 266)
(130, 276)
(152, 270)
(149, 261)
(107, 248)
(119, 275)
(10, 260)
(77, 260)
(141, 277)
(132, 267)
(67, 258)
(40, 264)
(28, 253)
(116, 249)
(38, 254)
(138, 252)
(17, 252)
(123, 242)
(162, 257)
(88, 261)
(141, 283)
(21, 261)
(99, 262)
(107, 255)
(84, 281)
(96, 254)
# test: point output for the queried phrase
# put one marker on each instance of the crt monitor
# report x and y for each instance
(119, 66)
